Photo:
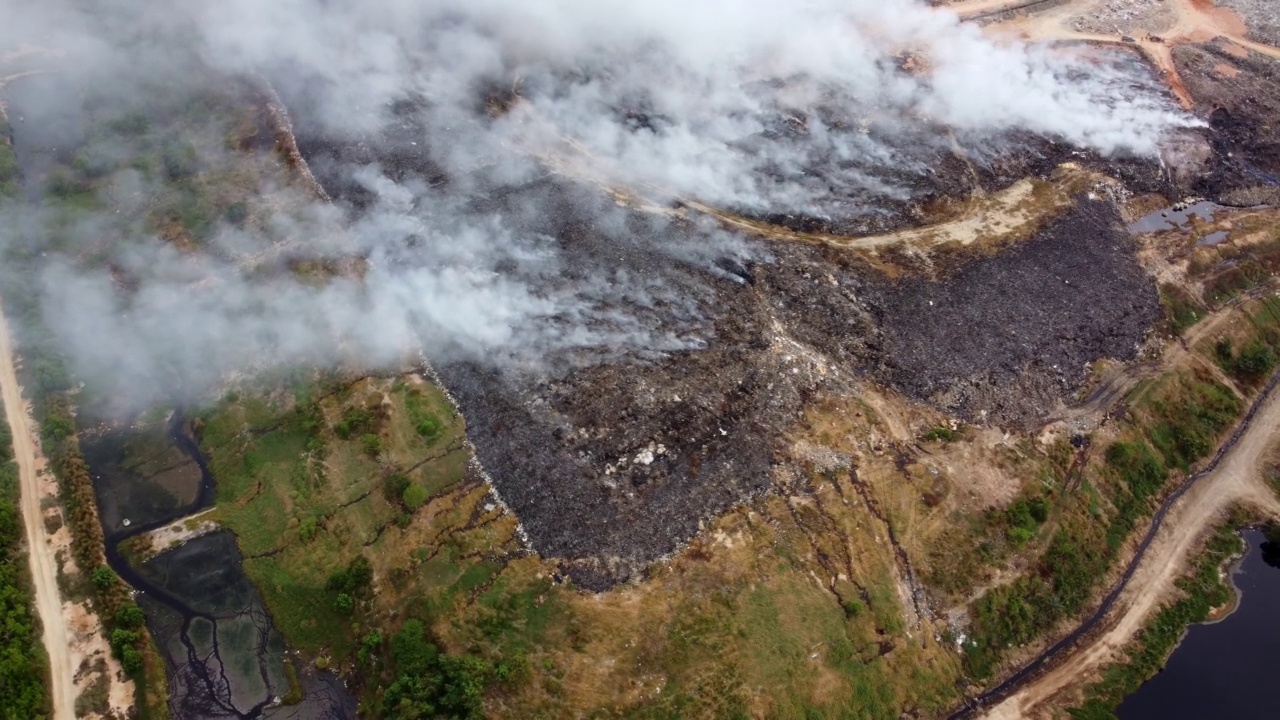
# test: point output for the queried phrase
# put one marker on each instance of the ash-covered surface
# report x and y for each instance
(614, 465)
(1241, 96)
(1006, 338)
(612, 459)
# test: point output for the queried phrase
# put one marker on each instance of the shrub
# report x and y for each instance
(179, 160)
(344, 604)
(371, 445)
(355, 421)
(429, 683)
(1138, 466)
(130, 616)
(307, 529)
(428, 427)
(57, 427)
(393, 487)
(131, 660)
(236, 213)
(103, 578)
(414, 496)
(1256, 360)
(354, 580)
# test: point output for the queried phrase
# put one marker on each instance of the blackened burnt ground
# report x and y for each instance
(1006, 338)
(1242, 106)
(611, 461)
(614, 465)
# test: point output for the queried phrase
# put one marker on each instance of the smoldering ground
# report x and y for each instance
(758, 106)
(469, 147)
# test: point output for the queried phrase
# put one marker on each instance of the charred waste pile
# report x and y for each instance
(513, 188)
(701, 349)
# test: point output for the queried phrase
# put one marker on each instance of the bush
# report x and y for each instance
(131, 660)
(1138, 466)
(236, 213)
(344, 604)
(428, 427)
(1023, 517)
(307, 529)
(22, 665)
(429, 683)
(945, 434)
(57, 428)
(1181, 309)
(130, 616)
(179, 160)
(1186, 428)
(394, 486)
(1256, 360)
(371, 445)
(355, 421)
(853, 607)
(414, 496)
(103, 578)
(354, 580)
(1202, 591)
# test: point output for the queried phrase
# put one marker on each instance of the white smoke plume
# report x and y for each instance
(820, 107)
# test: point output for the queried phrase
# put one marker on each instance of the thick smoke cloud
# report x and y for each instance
(820, 107)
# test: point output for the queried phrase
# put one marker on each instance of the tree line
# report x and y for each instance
(23, 666)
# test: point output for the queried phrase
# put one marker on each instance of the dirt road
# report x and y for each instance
(44, 572)
(1191, 21)
(1236, 479)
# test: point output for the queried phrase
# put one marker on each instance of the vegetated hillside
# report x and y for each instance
(393, 543)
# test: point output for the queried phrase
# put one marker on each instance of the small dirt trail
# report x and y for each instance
(44, 566)
(1236, 479)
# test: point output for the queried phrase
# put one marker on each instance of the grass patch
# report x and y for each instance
(1175, 423)
(1181, 309)
(1186, 420)
(442, 567)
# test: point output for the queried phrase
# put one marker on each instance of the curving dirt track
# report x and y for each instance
(44, 566)
(1235, 479)
(1193, 21)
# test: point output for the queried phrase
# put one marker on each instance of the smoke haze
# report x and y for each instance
(827, 108)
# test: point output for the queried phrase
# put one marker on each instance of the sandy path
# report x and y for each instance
(44, 567)
(1237, 479)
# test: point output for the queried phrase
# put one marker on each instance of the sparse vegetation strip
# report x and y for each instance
(1044, 660)
(23, 667)
(1204, 589)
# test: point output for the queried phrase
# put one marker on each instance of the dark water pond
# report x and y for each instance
(1228, 669)
(224, 656)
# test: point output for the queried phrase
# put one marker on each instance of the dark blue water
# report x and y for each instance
(1229, 669)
